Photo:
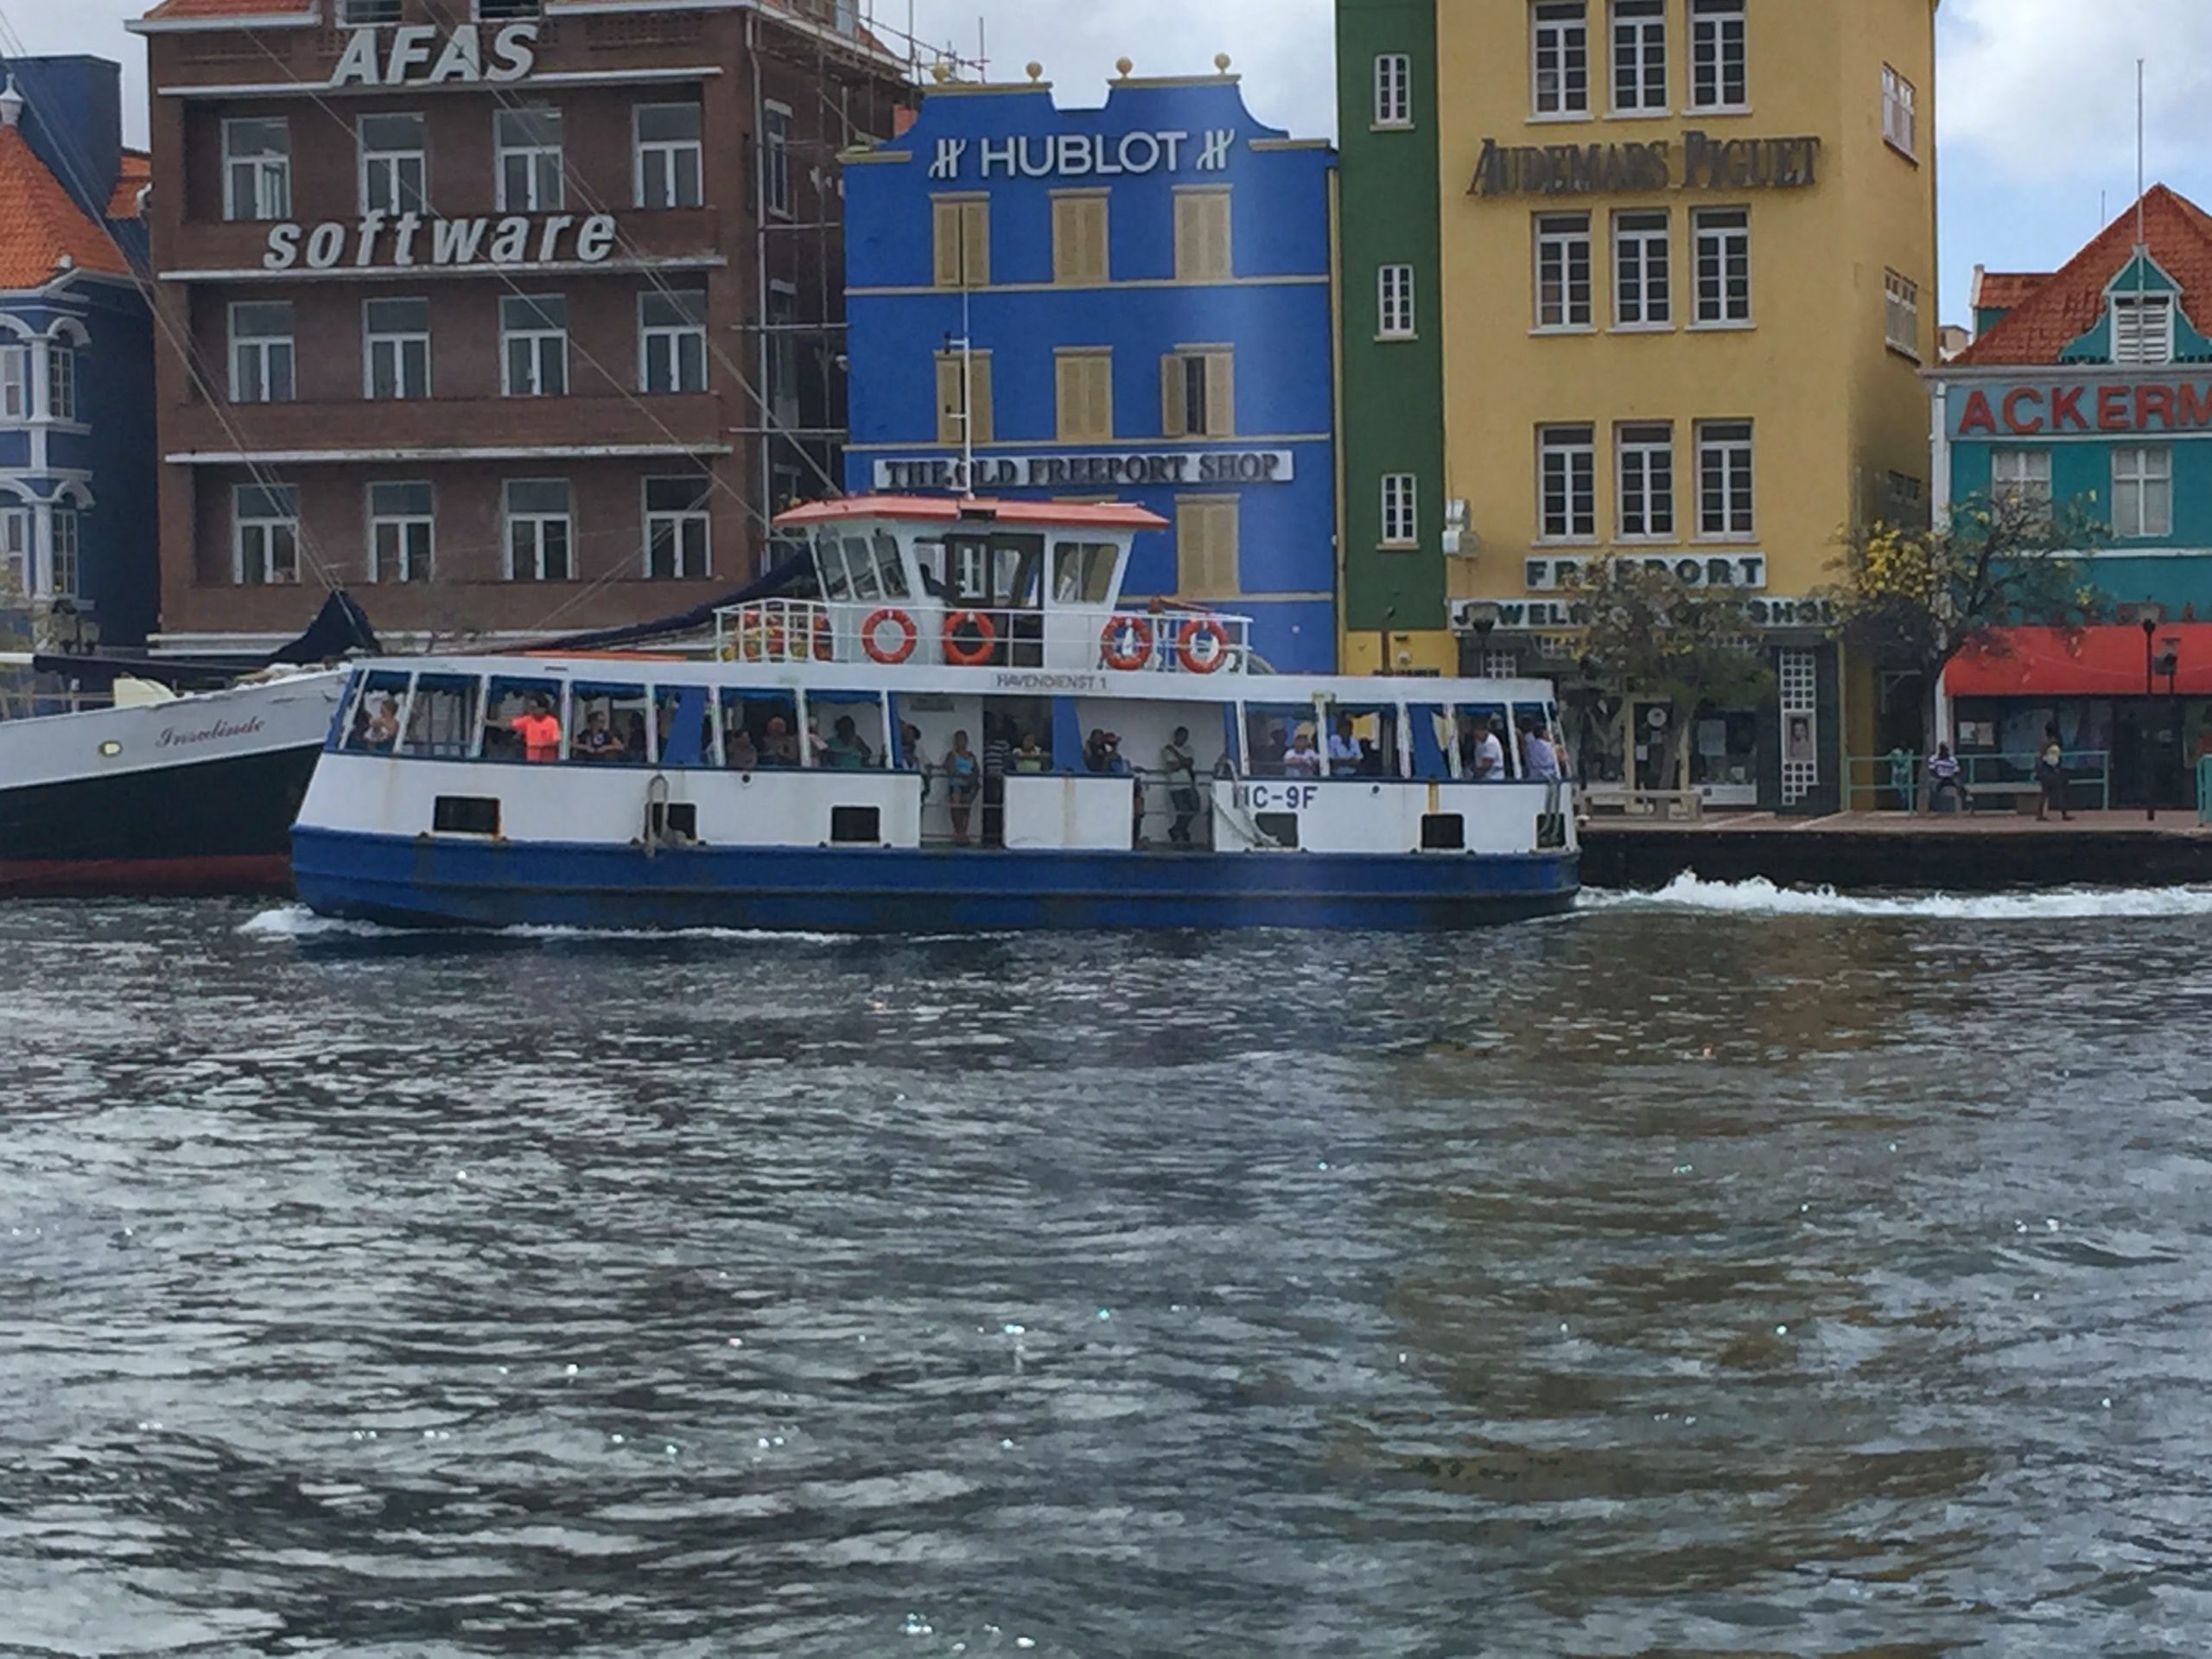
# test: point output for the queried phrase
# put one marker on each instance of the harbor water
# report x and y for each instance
(1725, 1273)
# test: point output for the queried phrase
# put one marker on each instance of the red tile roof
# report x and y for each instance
(2002, 290)
(137, 173)
(41, 223)
(2061, 308)
(171, 10)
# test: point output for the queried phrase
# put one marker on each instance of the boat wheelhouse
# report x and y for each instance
(952, 723)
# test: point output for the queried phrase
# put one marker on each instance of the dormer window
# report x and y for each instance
(2142, 328)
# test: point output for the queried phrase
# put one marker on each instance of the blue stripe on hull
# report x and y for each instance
(835, 890)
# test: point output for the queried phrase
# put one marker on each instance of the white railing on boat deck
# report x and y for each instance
(1074, 639)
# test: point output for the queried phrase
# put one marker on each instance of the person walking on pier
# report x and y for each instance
(2050, 772)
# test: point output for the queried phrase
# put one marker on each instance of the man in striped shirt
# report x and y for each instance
(998, 750)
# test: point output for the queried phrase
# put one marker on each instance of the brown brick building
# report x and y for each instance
(505, 315)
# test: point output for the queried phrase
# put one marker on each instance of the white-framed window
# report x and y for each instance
(1639, 56)
(265, 535)
(668, 156)
(1643, 269)
(1645, 453)
(1901, 313)
(395, 164)
(1394, 90)
(258, 168)
(1725, 498)
(2142, 328)
(1559, 49)
(783, 353)
(62, 532)
(1567, 483)
(1401, 510)
(540, 531)
(533, 178)
(2021, 478)
(1395, 298)
(672, 340)
(15, 382)
(1798, 680)
(61, 381)
(533, 346)
(15, 550)
(403, 530)
(2142, 491)
(395, 349)
(367, 14)
(261, 351)
(1723, 239)
(1900, 123)
(679, 533)
(1563, 270)
(776, 158)
(1718, 77)
(505, 11)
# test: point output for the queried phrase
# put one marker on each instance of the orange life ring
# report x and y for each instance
(1133, 655)
(907, 637)
(987, 639)
(1204, 627)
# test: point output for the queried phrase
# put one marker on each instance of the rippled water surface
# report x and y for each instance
(1733, 1275)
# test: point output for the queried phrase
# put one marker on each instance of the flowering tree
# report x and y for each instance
(1915, 598)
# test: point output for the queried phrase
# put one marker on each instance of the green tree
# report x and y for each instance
(1651, 639)
(1915, 598)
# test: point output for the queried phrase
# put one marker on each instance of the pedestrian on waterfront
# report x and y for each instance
(1943, 780)
(539, 729)
(2050, 772)
(1539, 759)
(1901, 777)
(1489, 754)
(597, 740)
(963, 774)
(1179, 766)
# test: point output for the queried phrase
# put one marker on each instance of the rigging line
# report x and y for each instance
(187, 350)
(714, 480)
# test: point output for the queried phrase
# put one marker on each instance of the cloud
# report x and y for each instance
(2045, 90)
(1284, 48)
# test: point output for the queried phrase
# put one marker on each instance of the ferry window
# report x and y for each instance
(1273, 746)
(929, 561)
(1430, 727)
(1280, 828)
(509, 701)
(683, 724)
(375, 728)
(442, 719)
(611, 724)
(1083, 572)
(465, 815)
(673, 821)
(890, 567)
(1372, 732)
(760, 729)
(1020, 563)
(849, 731)
(1484, 742)
(829, 564)
(856, 825)
(1443, 832)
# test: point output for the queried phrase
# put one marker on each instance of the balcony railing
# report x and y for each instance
(1068, 640)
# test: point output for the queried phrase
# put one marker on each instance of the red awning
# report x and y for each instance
(2099, 662)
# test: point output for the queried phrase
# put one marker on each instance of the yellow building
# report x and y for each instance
(1684, 285)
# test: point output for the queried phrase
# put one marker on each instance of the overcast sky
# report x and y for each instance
(2037, 103)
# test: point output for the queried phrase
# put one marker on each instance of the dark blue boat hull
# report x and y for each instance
(448, 883)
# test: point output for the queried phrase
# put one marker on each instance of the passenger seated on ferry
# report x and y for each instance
(1304, 760)
(539, 729)
(964, 778)
(1094, 750)
(1029, 757)
(1489, 753)
(846, 750)
(741, 753)
(634, 740)
(597, 740)
(778, 747)
(1347, 754)
(384, 724)
(817, 747)
(1269, 749)
(1539, 759)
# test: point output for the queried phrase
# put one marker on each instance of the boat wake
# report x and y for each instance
(298, 922)
(1760, 897)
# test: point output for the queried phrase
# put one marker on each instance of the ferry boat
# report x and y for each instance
(949, 721)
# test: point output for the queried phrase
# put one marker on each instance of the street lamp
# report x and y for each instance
(1483, 617)
(2150, 690)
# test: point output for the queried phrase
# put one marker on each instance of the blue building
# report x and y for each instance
(1144, 295)
(2091, 386)
(78, 562)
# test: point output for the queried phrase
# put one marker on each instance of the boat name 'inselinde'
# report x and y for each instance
(173, 738)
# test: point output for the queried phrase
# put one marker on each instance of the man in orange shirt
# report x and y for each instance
(540, 731)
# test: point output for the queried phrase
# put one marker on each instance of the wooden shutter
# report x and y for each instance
(1101, 400)
(979, 382)
(1078, 240)
(1221, 395)
(1206, 546)
(978, 249)
(1202, 248)
(1098, 256)
(1171, 424)
(945, 222)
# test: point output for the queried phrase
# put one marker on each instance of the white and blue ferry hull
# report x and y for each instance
(410, 882)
